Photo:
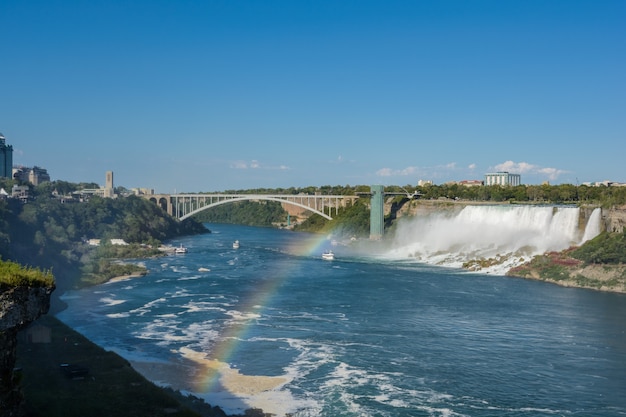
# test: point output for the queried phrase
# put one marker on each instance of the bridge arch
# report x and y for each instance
(161, 201)
(254, 198)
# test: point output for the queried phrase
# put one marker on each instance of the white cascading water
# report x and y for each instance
(506, 235)
(593, 227)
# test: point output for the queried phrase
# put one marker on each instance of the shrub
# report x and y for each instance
(13, 274)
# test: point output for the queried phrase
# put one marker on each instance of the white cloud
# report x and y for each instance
(516, 167)
(552, 173)
(341, 160)
(239, 165)
(384, 172)
(526, 168)
(388, 172)
(255, 164)
(451, 171)
(431, 172)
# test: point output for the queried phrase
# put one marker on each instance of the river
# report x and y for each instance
(272, 325)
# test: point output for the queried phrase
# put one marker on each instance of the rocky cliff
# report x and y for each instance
(19, 306)
(614, 219)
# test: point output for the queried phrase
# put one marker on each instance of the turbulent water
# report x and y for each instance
(274, 326)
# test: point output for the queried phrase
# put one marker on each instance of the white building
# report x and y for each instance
(502, 178)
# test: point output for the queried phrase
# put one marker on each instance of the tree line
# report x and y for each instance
(605, 196)
(50, 233)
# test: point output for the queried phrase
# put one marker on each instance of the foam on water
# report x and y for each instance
(111, 302)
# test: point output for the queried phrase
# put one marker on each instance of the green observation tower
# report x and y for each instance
(377, 212)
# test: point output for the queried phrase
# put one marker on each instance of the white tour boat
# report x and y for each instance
(328, 255)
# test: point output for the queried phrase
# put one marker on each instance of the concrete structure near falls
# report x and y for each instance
(377, 212)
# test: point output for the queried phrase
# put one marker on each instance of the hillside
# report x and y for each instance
(51, 233)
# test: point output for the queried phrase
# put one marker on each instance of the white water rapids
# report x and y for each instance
(506, 235)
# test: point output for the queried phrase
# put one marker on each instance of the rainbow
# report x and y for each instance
(215, 364)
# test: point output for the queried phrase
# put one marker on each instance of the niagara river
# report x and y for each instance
(272, 325)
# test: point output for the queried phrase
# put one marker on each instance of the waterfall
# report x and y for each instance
(507, 235)
(593, 227)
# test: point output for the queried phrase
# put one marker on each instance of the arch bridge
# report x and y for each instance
(182, 206)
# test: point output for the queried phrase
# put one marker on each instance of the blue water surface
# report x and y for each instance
(363, 336)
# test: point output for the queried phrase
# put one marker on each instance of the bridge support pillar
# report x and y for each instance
(377, 212)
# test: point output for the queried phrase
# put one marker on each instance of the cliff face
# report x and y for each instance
(19, 306)
(615, 219)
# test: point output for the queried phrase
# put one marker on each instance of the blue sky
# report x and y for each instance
(186, 96)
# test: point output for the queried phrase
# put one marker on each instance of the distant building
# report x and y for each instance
(605, 183)
(502, 178)
(471, 183)
(143, 191)
(96, 242)
(6, 158)
(20, 192)
(424, 183)
(34, 175)
(107, 191)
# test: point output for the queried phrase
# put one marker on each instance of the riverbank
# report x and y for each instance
(127, 277)
(64, 374)
(561, 269)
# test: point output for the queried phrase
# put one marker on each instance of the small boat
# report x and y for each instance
(328, 255)
(180, 249)
(236, 244)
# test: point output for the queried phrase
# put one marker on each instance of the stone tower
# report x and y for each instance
(108, 187)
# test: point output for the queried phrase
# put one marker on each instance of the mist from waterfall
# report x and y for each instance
(508, 235)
